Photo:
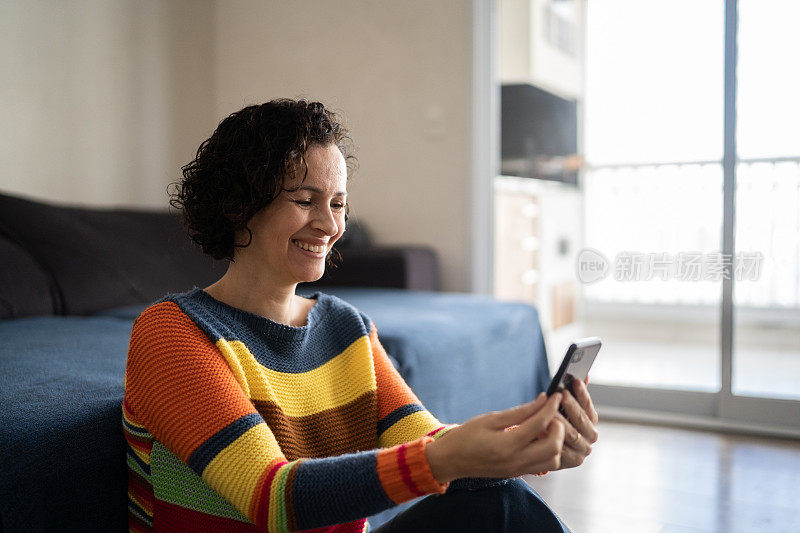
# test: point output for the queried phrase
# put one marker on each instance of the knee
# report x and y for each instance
(513, 490)
(518, 506)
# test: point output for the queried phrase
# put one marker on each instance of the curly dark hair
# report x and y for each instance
(241, 168)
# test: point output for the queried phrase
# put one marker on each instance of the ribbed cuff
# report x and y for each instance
(405, 473)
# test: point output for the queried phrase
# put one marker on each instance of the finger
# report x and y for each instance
(578, 417)
(571, 458)
(517, 414)
(573, 438)
(581, 394)
(545, 454)
(533, 426)
(554, 432)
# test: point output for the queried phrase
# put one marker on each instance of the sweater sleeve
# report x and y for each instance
(179, 386)
(402, 417)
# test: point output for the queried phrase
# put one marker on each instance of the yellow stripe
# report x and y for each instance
(140, 504)
(142, 455)
(133, 423)
(276, 497)
(336, 383)
(229, 475)
(409, 428)
(136, 429)
(231, 351)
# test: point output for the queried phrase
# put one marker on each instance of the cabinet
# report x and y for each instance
(541, 43)
(538, 236)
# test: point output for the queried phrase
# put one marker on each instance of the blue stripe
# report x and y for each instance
(139, 431)
(138, 460)
(276, 346)
(396, 415)
(325, 490)
(206, 452)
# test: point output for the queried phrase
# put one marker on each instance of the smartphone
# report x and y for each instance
(576, 364)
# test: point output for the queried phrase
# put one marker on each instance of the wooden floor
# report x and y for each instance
(643, 479)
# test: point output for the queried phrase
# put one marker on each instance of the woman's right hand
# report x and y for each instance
(526, 439)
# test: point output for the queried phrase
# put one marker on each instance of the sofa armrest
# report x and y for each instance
(407, 267)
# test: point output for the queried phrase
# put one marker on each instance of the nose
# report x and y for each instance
(325, 220)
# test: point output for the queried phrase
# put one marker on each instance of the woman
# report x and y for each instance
(249, 408)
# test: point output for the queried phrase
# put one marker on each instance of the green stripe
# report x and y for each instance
(442, 432)
(283, 524)
(135, 467)
(176, 483)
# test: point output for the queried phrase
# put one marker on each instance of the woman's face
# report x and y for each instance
(294, 233)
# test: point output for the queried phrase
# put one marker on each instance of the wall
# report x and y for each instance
(102, 101)
(400, 72)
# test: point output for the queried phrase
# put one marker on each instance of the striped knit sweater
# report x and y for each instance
(237, 423)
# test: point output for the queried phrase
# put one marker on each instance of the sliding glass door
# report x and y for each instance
(766, 358)
(691, 266)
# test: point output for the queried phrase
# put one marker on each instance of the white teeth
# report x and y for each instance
(309, 247)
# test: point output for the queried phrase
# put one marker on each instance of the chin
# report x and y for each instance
(310, 277)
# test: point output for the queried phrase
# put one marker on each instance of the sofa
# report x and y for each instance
(73, 279)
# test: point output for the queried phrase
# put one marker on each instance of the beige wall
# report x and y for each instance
(105, 100)
(102, 101)
(400, 72)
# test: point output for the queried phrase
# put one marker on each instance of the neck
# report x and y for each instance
(244, 290)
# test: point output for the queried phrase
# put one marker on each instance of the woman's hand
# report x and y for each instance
(526, 439)
(579, 424)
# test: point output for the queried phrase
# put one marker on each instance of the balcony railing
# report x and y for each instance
(669, 209)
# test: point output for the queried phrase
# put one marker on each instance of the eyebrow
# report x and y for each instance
(318, 190)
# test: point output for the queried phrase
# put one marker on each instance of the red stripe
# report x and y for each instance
(130, 418)
(435, 431)
(173, 518)
(405, 472)
(144, 446)
(262, 515)
(127, 408)
(142, 495)
(130, 436)
(357, 526)
(141, 481)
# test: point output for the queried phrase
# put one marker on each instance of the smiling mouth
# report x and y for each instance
(309, 247)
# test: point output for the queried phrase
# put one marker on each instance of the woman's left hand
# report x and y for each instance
(580, 422)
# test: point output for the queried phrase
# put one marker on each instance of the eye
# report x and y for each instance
(338, 206)
(304, 203)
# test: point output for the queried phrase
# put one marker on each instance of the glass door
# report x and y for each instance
(690, 270)
(653, 203)
(766, 346)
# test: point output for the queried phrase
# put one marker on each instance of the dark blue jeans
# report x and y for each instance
(509, 507)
